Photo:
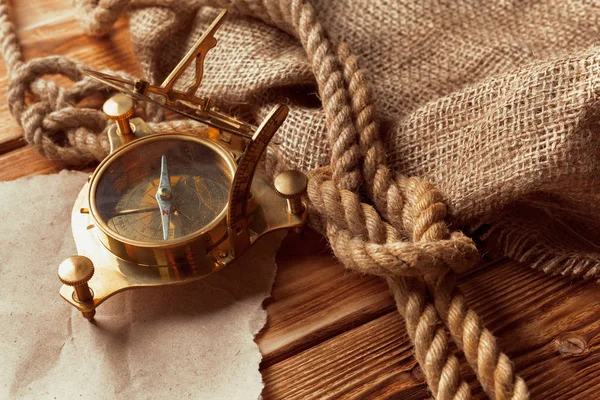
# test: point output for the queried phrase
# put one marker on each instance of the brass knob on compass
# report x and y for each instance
(119, 108)
(76, 271)
(291, 185)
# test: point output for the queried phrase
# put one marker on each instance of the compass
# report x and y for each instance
(172, 207)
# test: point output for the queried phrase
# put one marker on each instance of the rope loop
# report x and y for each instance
(51, 117)
(368, 244)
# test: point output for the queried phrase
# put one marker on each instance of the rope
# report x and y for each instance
(403, 237)
(356, 234)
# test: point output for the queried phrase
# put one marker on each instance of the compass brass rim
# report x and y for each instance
(156, 244)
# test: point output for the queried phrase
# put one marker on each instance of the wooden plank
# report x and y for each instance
(14, 137)
(549, 326)
(26, 161)
(373, 361)
(315, 298)
(63, 36)
(535, 316)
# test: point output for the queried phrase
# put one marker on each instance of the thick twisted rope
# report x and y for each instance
(422, 323)
(492, 367)
(424, 216)
(415, 242)
(421, 318)
(97, 17)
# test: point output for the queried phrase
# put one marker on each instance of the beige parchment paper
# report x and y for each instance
(189, 341)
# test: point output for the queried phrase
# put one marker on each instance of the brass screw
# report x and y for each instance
(76, 271)
(119, 108)
(291, 185)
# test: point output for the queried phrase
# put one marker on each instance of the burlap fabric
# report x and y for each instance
(495, 103)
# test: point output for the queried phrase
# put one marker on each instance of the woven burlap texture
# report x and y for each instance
(493, 102)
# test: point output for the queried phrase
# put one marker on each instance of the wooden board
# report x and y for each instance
(314, 298)
(333, 334)
(549, 326)
(26, 161)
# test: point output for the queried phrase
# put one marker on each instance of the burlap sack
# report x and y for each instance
(494, 102)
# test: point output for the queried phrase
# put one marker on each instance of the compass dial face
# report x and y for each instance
(163, 188)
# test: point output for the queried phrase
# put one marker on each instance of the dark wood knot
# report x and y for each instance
(571, 345)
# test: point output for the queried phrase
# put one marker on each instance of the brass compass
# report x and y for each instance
(174, 207)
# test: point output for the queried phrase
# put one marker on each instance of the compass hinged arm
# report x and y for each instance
(186, 102)
(198, 53)
(191, 106)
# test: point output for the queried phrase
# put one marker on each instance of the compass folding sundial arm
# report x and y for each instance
(184, 102)
(198, 52)
(170, 95)
(163, 197)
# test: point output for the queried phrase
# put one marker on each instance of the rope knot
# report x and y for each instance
(368, 244)
(51, 117)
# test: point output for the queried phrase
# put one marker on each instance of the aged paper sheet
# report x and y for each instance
(189, 341)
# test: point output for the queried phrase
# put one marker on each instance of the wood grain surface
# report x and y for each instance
(332, 334)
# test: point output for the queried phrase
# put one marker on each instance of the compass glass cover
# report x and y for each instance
(163, 189)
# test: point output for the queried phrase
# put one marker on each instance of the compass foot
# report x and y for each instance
(89, 315)
(76, 271)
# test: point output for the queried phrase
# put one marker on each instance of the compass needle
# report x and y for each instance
(163, 197)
